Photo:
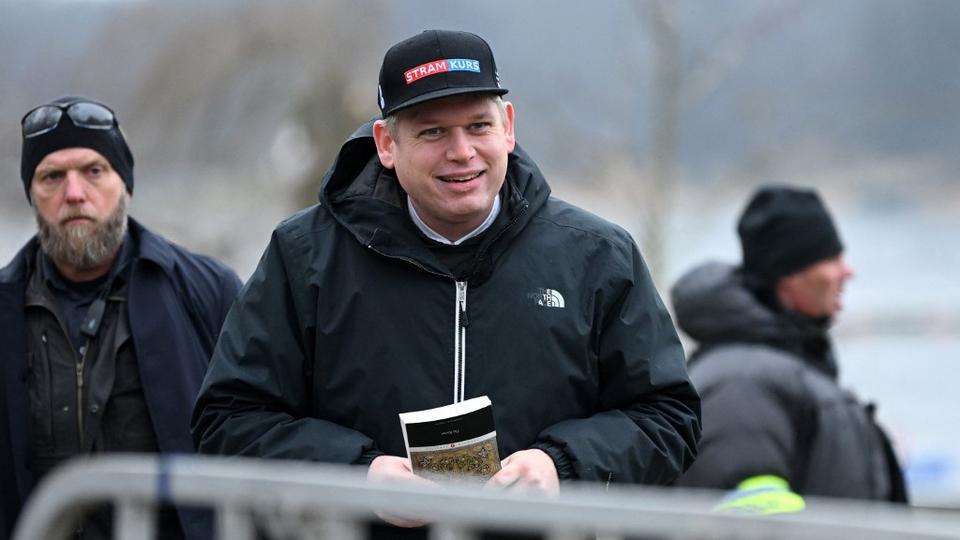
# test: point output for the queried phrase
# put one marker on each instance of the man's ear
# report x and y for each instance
(509, 126)
(786, 289)
(384, 142)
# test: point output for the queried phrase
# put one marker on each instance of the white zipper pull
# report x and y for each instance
(462, 301)
(460, 342)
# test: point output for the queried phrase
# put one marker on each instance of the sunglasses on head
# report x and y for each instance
(83, 114)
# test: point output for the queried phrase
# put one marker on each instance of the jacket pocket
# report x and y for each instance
(40, 388)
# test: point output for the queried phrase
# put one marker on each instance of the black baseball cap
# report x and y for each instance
(435, 64)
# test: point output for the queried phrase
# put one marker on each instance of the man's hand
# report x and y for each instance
(531, 470)
(395, 469)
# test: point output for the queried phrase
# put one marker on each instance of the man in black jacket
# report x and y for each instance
(437, 268)
(106, 327)
(777, 425)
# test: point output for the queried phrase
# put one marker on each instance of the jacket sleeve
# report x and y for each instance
(255, 398)
(212, 290)
(648, 420)
(756, 418)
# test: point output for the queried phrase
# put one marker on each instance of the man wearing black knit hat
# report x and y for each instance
(777, 425)
(106, 327)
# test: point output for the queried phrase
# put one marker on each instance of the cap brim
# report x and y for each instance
(445, 92)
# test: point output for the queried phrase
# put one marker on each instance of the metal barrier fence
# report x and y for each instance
(286, 499)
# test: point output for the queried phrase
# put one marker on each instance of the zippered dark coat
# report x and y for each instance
(350, 319)
(771, 401)
(176, 305)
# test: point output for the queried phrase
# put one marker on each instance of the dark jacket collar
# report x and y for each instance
(21, 265)
(153, 248)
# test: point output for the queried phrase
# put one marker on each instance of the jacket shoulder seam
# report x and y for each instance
(611, 238)
(297, 226)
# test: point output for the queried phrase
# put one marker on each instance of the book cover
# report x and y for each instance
(453, 442)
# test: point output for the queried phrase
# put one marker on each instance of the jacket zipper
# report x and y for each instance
(79, 368)
(81, 362)
(460, 320)
(49, 382)
(501, 232)
(459, 324)
(460, 342)
(407, 259)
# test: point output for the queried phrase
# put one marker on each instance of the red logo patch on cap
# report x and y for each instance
(441, 66)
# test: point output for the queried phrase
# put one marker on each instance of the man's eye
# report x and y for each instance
(479, 128)
(431, 132)
(95, 170)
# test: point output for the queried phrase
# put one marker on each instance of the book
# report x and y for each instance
(454, 442)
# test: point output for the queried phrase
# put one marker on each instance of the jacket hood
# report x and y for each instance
(713, 305)
(367, 199)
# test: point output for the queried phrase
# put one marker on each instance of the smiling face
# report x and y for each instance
(817, 290)
(450, 156)
(80, 203)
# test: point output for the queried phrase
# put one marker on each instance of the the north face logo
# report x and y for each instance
(547, 298)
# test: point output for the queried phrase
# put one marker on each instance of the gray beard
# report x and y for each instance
(85, 247)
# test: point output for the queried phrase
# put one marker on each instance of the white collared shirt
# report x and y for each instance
(437, 237)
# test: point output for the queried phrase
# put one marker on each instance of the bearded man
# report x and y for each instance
(106, 328)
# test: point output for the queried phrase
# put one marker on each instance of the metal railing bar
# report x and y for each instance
(134, 520)
(445, 531)
(234, 523)
(340, 527)
(300, 490)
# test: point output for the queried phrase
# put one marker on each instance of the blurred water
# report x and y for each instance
(913, 380)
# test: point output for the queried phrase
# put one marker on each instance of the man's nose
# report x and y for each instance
(75, 187)
(847, 269)
(460, 146)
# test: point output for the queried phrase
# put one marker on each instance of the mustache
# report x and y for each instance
(69, 214)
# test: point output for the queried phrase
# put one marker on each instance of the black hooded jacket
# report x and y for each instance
(771, 401)
(350, 319)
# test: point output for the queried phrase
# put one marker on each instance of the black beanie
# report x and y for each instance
(108, 142)
(784, 230)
